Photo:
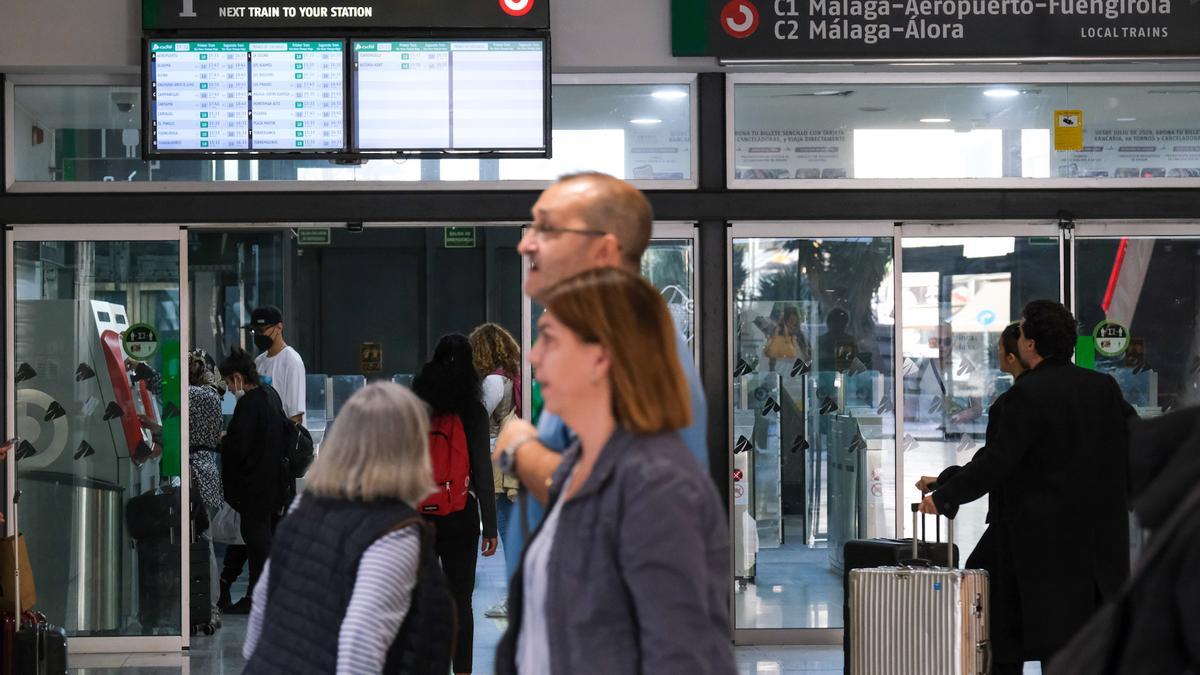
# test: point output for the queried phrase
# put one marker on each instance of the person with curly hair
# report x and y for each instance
(498, 362)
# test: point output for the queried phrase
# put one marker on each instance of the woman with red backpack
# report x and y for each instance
(462, 475)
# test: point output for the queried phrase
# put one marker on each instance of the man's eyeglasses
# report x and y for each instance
(548, 232)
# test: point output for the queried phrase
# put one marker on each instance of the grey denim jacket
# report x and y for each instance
(639, 574)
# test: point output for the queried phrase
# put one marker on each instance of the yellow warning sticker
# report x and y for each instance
(1068, 130)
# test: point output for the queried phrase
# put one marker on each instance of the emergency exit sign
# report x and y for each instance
(313, 236)
(459, 237)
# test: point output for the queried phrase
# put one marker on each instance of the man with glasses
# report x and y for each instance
(584, 221)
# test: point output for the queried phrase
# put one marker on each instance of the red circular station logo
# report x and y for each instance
(516, 7)
(739, 18)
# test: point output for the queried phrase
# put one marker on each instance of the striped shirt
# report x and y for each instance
(378, 604)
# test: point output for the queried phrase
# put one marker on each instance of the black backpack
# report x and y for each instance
(297, 442)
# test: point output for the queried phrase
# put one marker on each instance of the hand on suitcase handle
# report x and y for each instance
(927, 484)
(918, 507)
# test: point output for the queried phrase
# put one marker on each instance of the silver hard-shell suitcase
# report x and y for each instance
(918, 619)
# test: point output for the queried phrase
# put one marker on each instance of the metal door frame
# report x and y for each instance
(75, 233)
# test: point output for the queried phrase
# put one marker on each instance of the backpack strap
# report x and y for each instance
(424, 533)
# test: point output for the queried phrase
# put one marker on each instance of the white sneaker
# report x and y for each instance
(500, 611)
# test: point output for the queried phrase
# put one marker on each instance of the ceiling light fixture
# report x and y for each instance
(645, 120)
(831, 92)
(669, 94)
(935, 120)
(1001, 93)
(1126, 119)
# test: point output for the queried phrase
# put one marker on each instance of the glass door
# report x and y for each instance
(1144, 280)
(813, 422)
(1137, 299)
(962, 284)
(669, 263)
(97, 326)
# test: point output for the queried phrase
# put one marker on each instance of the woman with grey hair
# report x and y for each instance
(352, 585)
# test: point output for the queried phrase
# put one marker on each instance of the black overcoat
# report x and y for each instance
(1058, 468)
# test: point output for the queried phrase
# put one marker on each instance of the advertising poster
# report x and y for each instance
(802, 153)
(1133, 153)
(659, 155)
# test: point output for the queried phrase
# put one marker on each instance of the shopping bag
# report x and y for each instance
(226, 526)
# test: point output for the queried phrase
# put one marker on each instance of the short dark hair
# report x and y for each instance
(1051, 327)
(1009, 337)
(241, 363)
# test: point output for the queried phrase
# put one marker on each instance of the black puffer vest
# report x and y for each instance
(314, 565)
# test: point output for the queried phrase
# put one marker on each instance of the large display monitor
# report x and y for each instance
(245, 96)
(445, 95)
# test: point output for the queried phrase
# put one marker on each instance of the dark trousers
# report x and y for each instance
(235, 560)
(993, 554)
(457, 544)
(257, 529)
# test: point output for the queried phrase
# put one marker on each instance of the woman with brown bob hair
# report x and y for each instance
(628, 571)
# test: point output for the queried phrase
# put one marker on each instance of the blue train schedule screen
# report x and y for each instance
(449, 94)
(240, 96)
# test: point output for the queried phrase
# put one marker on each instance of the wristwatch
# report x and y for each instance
(508, 456)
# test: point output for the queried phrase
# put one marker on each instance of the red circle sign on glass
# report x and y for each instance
(516, 7)
(737, 474)
(739, 18)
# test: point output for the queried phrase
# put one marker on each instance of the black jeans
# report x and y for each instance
(257, 530)
(457, 543)
(235, 560)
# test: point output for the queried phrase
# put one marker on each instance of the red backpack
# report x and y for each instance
(451, 466)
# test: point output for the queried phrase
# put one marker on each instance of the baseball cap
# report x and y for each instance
(268, 315)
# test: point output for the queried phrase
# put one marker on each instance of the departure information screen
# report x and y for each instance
(449, 95)
(246, 96)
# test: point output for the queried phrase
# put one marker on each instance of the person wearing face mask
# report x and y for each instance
(281, 367)
(251, 459)
(279, 364)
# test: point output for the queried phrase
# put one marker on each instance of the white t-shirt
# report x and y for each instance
(285, 373)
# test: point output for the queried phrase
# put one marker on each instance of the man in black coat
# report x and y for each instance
(1058, 542)
(1154, 627)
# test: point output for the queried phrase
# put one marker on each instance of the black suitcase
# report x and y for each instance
(40, 648)
(200, 591)
(862, 553)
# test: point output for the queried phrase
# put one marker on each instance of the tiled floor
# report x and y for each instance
(221, 654)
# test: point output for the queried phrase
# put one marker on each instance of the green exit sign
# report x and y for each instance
(313, 236)
(459, 237)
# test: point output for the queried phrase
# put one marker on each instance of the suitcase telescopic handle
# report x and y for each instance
(916, 541)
